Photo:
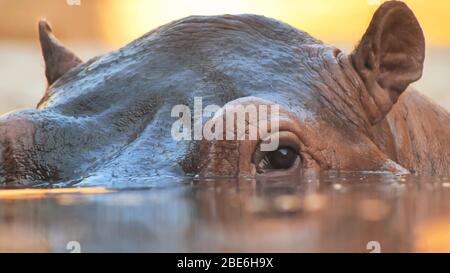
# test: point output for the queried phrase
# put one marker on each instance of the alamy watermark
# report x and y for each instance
(374, 247)
(73, 2)
(257, 121)
(73, 247)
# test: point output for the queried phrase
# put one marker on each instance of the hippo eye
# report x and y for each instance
(282, 159)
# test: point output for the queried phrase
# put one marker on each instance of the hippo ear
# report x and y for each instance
(389, 57)
(58, 59)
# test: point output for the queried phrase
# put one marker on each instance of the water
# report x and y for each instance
(332, 212)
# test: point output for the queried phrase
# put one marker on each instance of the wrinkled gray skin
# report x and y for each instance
(107, 121)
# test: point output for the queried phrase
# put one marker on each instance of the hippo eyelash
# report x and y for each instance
(283, 158)
(263, 164)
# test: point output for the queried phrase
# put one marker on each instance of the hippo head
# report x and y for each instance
(112, 118)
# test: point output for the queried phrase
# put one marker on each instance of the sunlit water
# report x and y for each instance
(333, 212)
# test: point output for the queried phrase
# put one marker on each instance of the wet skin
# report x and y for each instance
(108, 120)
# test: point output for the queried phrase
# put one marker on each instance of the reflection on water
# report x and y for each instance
(331, 212)
(42, 193)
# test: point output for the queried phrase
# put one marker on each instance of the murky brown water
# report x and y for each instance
(333, 212)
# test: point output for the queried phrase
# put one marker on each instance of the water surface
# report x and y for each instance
(332, 212)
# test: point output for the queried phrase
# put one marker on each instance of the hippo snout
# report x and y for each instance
(16, 148)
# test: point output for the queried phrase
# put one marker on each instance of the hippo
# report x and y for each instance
(109, 120)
